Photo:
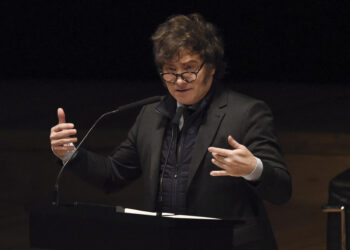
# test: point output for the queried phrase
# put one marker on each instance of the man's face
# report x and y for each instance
(183, 92)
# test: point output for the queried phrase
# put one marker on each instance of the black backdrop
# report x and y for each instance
(91, 56)
(279, 41)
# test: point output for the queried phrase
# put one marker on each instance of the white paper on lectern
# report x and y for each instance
(168, 215)
(142, 212)
(182, 216)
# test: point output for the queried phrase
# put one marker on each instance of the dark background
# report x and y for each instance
(98, 54)
(279, 41)
(92, 56)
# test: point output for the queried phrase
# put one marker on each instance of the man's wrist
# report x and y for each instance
(64, 158)
(256, 173)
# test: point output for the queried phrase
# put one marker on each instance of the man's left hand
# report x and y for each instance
(238, 161)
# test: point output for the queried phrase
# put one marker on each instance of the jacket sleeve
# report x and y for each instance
(114, 171)
(259, 137)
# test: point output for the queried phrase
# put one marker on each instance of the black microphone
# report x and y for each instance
(174, 123)
(120, 109)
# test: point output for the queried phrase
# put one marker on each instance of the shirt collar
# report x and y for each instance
(168, 105)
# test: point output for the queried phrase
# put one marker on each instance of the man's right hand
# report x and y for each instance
(60, 136)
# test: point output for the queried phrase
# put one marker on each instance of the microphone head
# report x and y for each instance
(148, 100)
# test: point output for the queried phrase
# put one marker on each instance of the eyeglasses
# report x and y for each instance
(186, 76)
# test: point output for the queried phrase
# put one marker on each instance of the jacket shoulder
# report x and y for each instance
(240, 101)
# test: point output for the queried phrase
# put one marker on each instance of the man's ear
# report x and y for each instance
(212, 70)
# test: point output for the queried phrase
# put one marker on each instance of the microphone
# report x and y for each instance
(120, 109)
(174, 123)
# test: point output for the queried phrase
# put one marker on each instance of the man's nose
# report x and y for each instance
(180, 81)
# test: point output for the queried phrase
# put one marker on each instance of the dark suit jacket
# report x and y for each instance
(249, 121)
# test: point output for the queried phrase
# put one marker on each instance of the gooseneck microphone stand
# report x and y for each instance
(56, 197)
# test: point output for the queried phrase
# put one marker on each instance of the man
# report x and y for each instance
(203, 150)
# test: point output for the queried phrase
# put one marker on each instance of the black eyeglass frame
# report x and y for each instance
(181, 75)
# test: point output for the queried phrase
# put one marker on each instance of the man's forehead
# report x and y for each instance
(185, 56)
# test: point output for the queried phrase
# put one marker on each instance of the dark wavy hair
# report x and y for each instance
(189, 32)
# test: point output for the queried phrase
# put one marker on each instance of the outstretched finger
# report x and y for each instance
(220, 151)
(220, 158)
(219, 164)
(219, 173)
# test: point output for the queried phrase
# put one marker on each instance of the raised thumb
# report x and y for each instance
(61, 116)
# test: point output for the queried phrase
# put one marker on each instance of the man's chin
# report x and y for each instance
(184, 101)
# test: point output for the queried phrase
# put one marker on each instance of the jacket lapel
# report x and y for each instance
(207, 131)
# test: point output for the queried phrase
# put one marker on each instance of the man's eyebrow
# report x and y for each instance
(169, 66)
(191, 61)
